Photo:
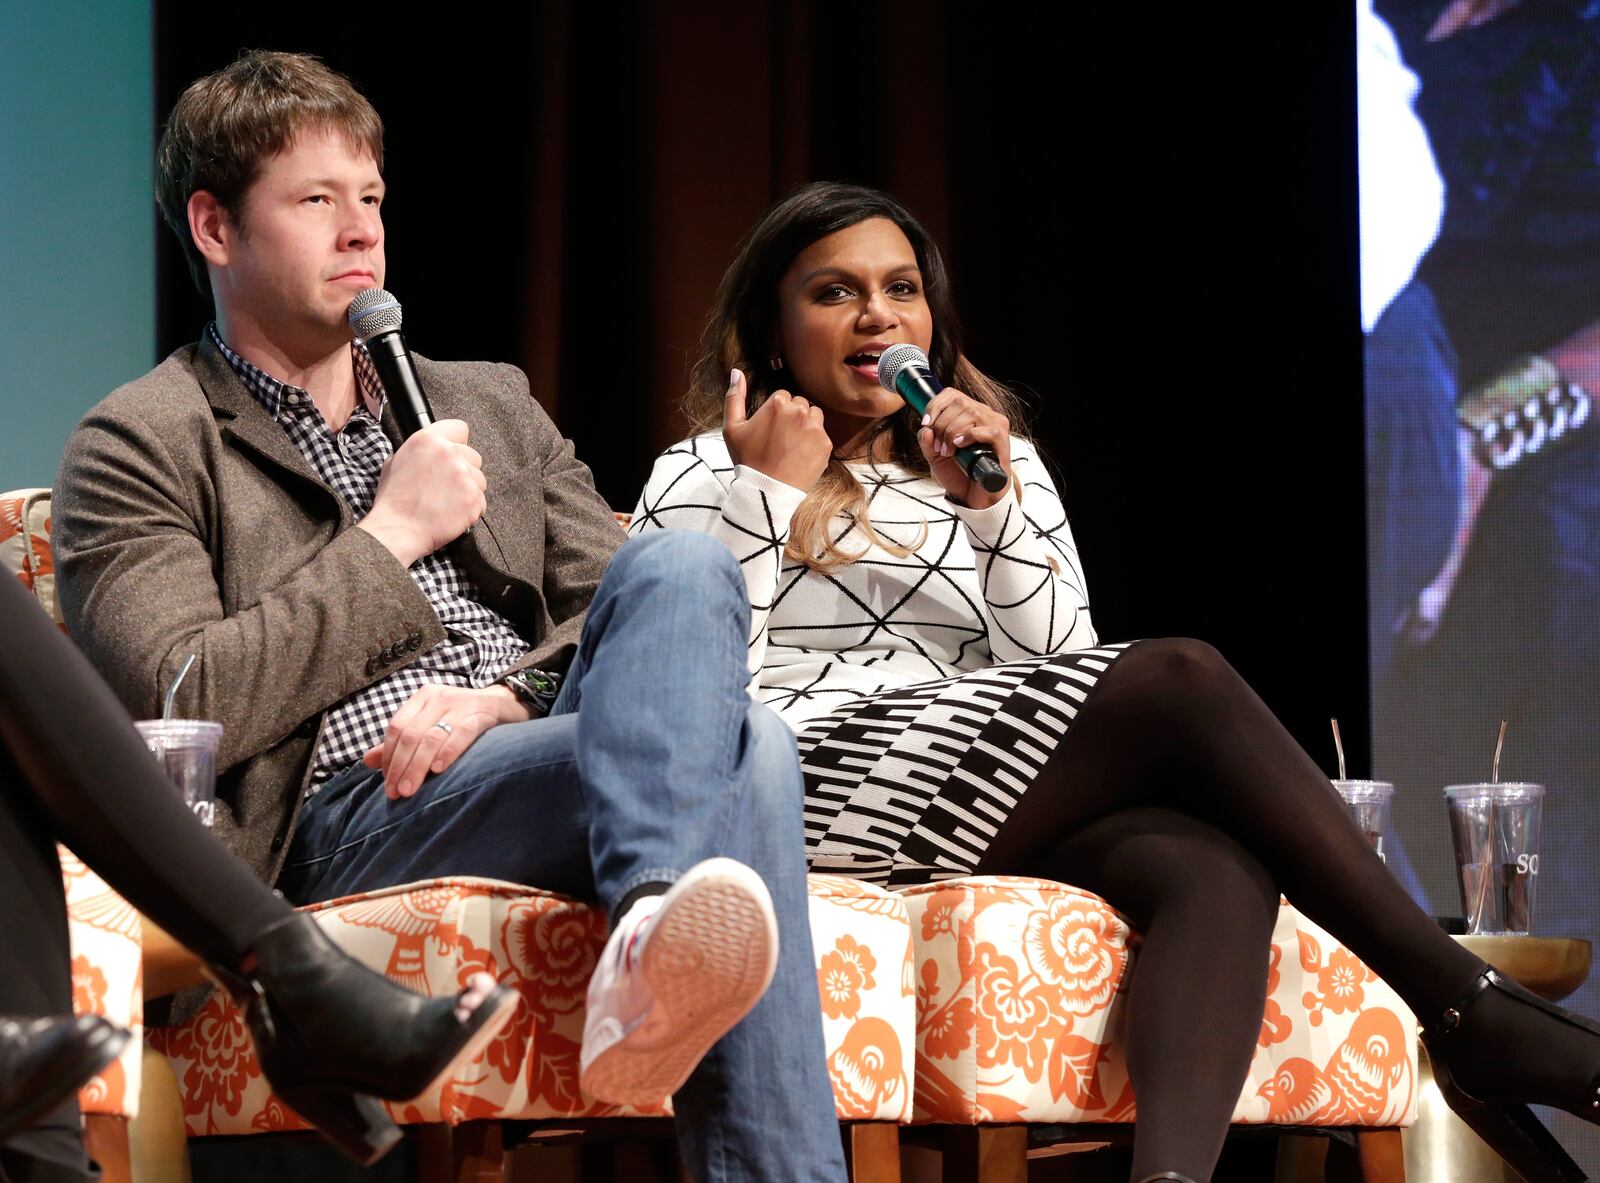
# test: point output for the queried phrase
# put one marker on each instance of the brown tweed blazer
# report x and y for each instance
(186, 521)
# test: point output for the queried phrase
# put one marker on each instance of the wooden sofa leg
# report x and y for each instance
(106, 1136)
(872, 1151)
(434, 1163)
(478, 1151)
(986, 1154)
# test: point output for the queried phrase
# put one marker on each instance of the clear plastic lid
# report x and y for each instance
(1511, 792)
(1364, 790)
(181, 733)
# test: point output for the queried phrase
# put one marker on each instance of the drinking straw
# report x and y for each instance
(1338, 746)
(1489, 869)
(172, 691)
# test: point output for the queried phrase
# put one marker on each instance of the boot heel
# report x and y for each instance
(354, 1122)
(1514, 1133)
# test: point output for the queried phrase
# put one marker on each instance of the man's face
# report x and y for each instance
(308, 237)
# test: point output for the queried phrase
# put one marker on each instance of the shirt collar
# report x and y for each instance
(279, 398)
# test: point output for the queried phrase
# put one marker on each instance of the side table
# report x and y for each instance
(1440, 1147)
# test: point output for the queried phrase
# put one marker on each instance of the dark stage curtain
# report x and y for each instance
(1149, 212)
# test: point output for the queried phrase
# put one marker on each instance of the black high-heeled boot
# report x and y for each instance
(1505, 1122)
(334, 1036)
(43, 1061)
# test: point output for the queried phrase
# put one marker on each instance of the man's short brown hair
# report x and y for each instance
(228, 123)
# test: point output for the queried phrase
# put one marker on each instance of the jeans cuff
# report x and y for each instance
(639, 879)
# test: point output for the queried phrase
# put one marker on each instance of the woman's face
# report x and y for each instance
(844, 300)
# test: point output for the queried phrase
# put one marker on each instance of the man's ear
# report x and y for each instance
(210, 227)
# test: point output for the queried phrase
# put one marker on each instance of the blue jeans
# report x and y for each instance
(653, 759)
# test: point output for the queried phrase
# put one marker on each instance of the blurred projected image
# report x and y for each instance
(1480, 244)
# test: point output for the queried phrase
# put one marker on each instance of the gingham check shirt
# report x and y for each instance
(479, 643)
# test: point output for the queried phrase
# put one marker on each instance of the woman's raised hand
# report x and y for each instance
(784, 439)
(953, 421)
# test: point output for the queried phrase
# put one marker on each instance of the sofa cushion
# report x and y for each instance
(432, 936)
(1020, 1015)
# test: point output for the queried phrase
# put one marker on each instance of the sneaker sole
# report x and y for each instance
(711, 954)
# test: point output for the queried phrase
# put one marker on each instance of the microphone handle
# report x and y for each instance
(398, 373)
(978, 461)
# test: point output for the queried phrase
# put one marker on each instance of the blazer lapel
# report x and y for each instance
(246, 422)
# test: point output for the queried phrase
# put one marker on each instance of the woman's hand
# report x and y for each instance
(956, 421)
(784, 438)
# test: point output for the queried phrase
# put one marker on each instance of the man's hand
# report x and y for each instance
(415, 745)
(784, 438)
(430, 492)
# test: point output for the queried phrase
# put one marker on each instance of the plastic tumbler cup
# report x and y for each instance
(187, 749)
(1495, 828)
(1368, 802)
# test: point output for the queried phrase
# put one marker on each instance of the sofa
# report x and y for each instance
(981, 1017)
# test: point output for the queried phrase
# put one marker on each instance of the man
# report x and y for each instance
(418, 664)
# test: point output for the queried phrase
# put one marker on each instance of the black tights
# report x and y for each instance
(1180, 798)
(73, 769)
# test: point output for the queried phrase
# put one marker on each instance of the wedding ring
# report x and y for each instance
(444, 727)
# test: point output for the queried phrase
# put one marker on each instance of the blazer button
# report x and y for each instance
(277, 844)
(413, 642)
(372, 666)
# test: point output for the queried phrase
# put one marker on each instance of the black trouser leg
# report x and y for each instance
(35, 974)
(92, 778)
(73, 769)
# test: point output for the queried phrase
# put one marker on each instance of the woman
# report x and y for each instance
(931, 643)
(332, 1035)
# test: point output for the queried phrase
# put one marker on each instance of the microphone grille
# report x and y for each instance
(896, 358)
(372, 312)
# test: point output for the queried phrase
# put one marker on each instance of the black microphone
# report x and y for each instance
(903, 369)
(374, 317)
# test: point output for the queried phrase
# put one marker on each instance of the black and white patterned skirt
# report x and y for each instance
(910, 785)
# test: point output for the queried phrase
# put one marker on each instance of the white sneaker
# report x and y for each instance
(677, 973)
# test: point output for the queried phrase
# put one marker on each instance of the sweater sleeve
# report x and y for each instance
(696, 486)
(1034, 597)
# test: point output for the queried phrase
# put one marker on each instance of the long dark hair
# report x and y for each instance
(741, 332)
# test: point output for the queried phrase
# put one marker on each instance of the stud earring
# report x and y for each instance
(775, 362)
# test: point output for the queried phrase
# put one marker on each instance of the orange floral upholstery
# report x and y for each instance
(432, 936)
(25, 545)
(861, 937)
(1019, 1015)
(106, 979)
